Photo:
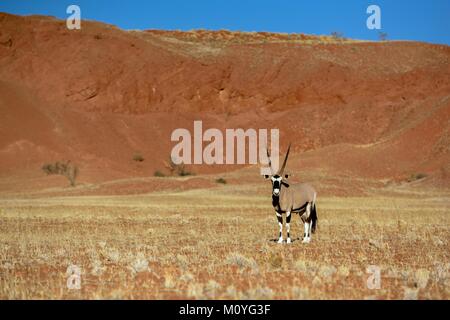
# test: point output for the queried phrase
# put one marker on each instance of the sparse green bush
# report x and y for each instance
(67, 169)
(159, 174)
(221, 180)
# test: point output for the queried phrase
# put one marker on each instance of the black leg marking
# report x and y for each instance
(288, 219)
(280, 223)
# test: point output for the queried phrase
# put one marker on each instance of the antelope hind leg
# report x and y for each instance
(288, 227)
(307, 225)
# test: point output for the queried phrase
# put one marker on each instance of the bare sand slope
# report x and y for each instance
(99, 95)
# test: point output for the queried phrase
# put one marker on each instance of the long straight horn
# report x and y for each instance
(270, 161)
(285, 160)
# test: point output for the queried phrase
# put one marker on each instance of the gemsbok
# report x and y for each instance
(288, 198)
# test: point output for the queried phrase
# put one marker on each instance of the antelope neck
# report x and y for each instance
(276, 199)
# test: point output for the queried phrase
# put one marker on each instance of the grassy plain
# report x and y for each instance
(218, 243)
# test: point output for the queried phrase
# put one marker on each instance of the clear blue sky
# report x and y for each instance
(423, 20)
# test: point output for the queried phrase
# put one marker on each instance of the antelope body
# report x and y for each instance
(297, 198)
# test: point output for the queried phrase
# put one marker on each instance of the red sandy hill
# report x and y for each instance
(100, 94)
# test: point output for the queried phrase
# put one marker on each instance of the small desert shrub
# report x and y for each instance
(221, 180)
(421, 278)
(275, 260)
(337, 35)
(183, 172)
(195, 290)
(211, 289)
(327, 271)
(186, 277)
(169, 281)
(177, 169)
(159, 174)
(241, 261)
(259, 293)
(417, 176)
(182, 260)
(67, 169)
(138, 157)
(382, 36)
(140, 264)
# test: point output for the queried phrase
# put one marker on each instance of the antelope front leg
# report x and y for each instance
(280, 223)
(307, 234)
(288, 226)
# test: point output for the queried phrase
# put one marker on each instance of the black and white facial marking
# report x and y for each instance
(276, 185)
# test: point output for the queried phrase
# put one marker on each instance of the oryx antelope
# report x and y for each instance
(292, 198)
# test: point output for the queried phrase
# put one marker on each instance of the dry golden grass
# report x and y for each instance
(216, 243)
(238, 37)
(205, 43)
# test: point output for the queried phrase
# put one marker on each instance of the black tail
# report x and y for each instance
(314, 218)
